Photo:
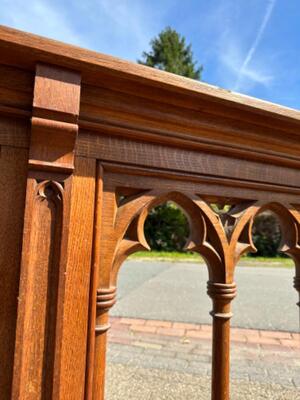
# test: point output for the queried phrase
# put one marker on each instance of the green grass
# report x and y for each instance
(166, 256)
(175, 256)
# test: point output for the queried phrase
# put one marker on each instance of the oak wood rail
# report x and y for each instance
(89, 144)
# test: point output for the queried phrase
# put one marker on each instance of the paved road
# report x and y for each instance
(135, 383)
(153, 360)
(177, 292)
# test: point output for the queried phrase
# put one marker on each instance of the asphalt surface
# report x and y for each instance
(177, 292)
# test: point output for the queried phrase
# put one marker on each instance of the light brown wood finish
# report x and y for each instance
(13, 163)
(37, 369)
(96, 142)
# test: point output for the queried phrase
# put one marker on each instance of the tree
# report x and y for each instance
(169, 52)
(167, 228)
(266, 235)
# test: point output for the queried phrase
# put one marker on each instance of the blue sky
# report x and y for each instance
(250, 46)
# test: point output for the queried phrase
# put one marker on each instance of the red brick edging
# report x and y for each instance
(187, 331)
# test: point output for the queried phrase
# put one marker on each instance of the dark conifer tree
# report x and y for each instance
(169, 52)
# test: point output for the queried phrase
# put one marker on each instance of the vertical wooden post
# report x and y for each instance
(37, 368)
(297, 287)
(221, 295)
(106, 298)
(102, 293)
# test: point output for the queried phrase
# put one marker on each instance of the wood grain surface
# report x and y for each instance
(95, 143)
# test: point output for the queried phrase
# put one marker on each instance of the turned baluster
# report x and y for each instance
(297, 287)
(106, 298)
(221, 294)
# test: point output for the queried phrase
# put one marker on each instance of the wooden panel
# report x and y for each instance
(77, 286)
(120, 111)
(159, 156)
(38, 371)
(126, 177)
(39, 290)
(14, 132)
(123, 109)
(13, 172)
(17, 79)
(56, 286)
(16, 87)
(57, 90)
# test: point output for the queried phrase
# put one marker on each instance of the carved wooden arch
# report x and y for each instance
(289, 219)
(220, 238)
(215, 238)
(135, 239)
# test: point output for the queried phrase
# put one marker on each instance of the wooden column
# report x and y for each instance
(37, 369)
(102, 293)
(221, 295)
(297, 287)
(106, 298)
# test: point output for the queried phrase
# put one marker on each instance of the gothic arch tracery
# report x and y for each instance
(221, 239)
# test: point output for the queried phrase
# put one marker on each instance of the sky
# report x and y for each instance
(248, 46)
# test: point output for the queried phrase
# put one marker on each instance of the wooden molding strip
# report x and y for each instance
(38, 49)
(190, 142)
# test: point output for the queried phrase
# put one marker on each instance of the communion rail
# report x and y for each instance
(89, 144)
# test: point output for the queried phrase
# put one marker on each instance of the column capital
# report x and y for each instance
(222, 294)
(105, 299)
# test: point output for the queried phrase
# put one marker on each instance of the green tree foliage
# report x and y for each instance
(266, 235)
(167, 228)
(169, 52)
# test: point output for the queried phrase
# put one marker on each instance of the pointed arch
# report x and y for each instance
(131, 218)
(289, 218)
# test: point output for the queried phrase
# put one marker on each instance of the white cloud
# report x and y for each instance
(128, 17)
(243, 76)
(122, 28)
(39, 17)
(245, 70)
(236, 33)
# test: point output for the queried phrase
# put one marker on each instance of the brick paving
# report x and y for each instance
(257, 357)
(125, 328)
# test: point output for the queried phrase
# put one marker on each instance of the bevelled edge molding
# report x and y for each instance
(54, 122)
(14, 44)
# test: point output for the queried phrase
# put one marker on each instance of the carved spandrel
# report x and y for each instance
(221, 241)
(220, 238)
